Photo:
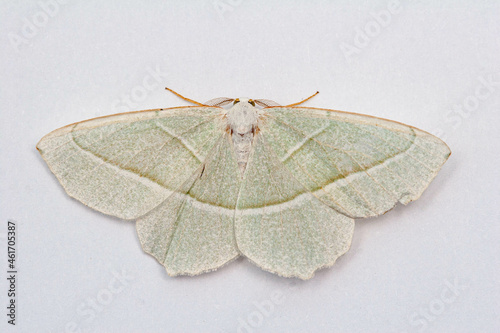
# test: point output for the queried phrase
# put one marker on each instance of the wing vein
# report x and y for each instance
(301, 143)
(185, 200)
(181, 139)
(314, 181)
(368, 206)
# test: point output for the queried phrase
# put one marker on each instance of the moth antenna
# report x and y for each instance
(185, 98)
(220, 101)
(303, 101)
(266, 103)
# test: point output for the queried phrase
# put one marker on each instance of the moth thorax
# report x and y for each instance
(242, 121)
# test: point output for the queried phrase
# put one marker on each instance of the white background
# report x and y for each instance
(431, 266)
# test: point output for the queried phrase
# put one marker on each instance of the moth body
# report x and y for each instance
(243, 119)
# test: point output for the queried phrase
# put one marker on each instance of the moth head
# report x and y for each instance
(244, 100)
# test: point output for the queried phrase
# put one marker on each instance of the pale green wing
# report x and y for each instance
(192, 231)
(126, 164)
(282, 227)
(359, 165)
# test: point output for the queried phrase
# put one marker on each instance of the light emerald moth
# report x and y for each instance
(280, 185)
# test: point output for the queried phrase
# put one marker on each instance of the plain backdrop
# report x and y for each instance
(431, 266)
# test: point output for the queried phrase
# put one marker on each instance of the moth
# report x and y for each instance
(280, 185)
